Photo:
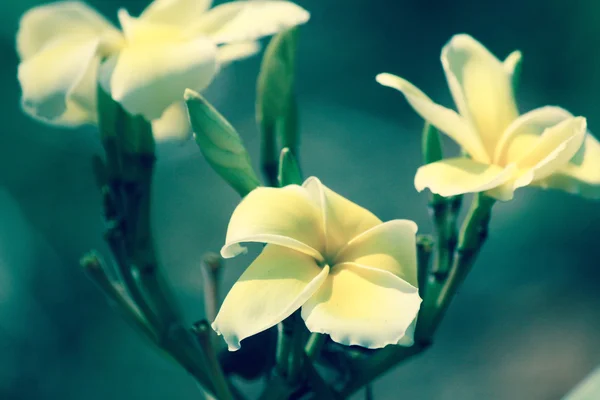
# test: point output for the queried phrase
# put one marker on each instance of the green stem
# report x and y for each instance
(96, 271)
(296, 355)
(425, 246)
(472, 236)
(314, 345)
(285, 331)
(371, 368)
(203, 334)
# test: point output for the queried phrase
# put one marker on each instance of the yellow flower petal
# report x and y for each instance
(175, 12)
(444, 119)
(365, 307)
(240, 21)
(275, 285)
(461, 175)
(526, 130)
(481, 86)
(579, 176)
(343, 219)
(50, 78)
(512, 61)
(173, 124)
(286, 217)
(552, 150)
(149, 77)
(390, 246)
(55, 22)
(236, 51)
(409, 337)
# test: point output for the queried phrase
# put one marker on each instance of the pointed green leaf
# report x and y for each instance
(276, 111)
(289, 171)
(220, 144)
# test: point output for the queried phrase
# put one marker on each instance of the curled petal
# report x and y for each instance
(149, 77)
(581, 175)
(444, 119)
(275, 285)
(343, 219)
(390, 246)
(240, 21)
(175, 12)
(365, 307)
(58, 82)
(66, 20)
(461, 175)
(551, 150)
(173, 124)
(481, 87)
(527, 128)
(286, 217)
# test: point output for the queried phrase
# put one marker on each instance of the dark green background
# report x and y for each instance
(526, 324)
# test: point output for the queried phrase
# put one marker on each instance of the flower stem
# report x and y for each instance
(211, 273)
(314, 345)
(96, 270)
(425, 244)
(472, 236)
(203, 334)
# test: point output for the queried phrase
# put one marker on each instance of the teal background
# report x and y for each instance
(525, 325)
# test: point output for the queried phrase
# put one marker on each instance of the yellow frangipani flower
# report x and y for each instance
(66, 47)
(547, 147)
(353, 276)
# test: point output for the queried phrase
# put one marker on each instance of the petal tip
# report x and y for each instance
(232, 250)
(389, 80)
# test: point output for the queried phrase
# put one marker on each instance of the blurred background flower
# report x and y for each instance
(526, 323)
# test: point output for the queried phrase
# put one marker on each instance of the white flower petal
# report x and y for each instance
(175, 12)
(174, 124)
(528, 127)
(236, 51)
(277, 283)
(455, 176)
(50, 78)
(283, 216)
(481, 87)
(512, 62)
(343, 219)
(552, 149)
(244, 20)
(581, 175)
(364, 307)
(66, 20)
(390, 246)
(149, 77)
(444, 119)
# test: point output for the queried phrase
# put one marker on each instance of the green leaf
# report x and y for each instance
(276, 110)
(220, 144)
(289, 171)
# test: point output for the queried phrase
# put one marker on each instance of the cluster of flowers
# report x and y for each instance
(353, 276)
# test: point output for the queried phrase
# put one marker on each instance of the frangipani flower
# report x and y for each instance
(173, 45)
(547, 147)
(353, 276)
